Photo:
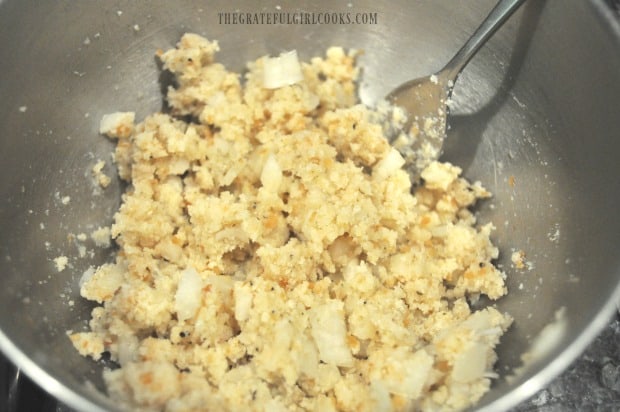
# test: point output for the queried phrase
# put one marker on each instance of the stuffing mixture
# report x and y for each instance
(273, 256)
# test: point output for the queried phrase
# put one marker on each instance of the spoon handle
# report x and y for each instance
(502, 10)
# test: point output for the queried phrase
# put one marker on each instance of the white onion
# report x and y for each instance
(329, 332)
(389, 164)
(471, 364)
(415, 369)
(86, 276)
(127, 348)
(243, 302)
(281, 71)
(271, 176)
(188, 296)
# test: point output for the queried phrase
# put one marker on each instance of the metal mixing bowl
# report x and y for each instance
(535, 119)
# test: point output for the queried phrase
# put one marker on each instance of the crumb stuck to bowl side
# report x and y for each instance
(60, 263)
(272, 255)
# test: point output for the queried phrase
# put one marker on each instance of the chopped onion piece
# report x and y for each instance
(281, 71)
(86, 276)
(401, 371)
(471, 364)
(329, 331)
(188, 296)
(271, 176)
(243, 302)
(389, 164)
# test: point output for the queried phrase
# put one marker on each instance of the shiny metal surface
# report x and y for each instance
(425, 100)
(536, 121)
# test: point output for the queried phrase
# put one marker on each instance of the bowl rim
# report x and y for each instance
(44, 379)
(610, 21)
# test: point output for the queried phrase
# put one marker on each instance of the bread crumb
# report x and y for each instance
(518, 259)
(65, 200)
(117, 125)
(61, 263)
(272, 255)
(102, 179)
(88, 344)
(101, 237)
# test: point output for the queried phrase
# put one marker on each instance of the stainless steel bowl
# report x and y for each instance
(535, 119)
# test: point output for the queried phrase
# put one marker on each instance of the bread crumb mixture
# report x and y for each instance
(272, 255)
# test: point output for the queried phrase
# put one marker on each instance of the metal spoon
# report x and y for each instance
(425, 99)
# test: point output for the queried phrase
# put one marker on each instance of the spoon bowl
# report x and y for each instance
(425, 101)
